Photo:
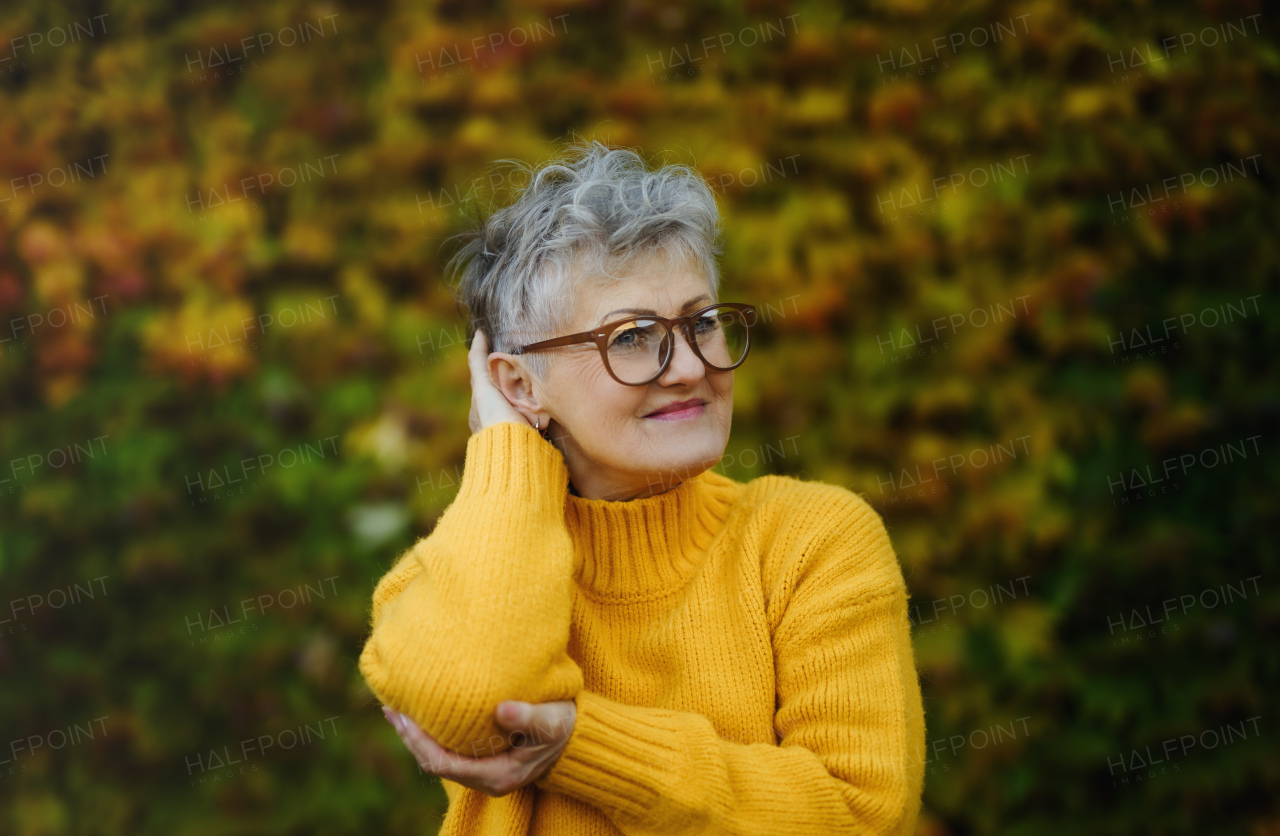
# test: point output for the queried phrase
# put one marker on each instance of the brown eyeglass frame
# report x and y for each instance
(600, 336)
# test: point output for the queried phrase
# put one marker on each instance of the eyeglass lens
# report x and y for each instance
(637, 348)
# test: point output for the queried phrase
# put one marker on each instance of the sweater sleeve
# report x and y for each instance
(478, 612)
(849, 718)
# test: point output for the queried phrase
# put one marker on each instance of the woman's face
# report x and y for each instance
(612, 445)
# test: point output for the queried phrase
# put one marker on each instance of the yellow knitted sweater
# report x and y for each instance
(739, 654)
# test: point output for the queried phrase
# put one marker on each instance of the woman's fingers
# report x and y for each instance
(539, 733)
(429, 754)
(500, 774)
(488, 402)
(479, 349)
(484, 774)
(479, 376)
(543, 724)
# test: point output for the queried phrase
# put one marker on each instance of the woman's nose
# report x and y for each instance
(685, 366)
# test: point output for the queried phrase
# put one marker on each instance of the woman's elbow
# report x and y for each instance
(456, 711)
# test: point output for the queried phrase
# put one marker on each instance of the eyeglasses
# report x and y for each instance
(637, 350)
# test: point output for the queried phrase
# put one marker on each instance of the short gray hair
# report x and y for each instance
(596, 209)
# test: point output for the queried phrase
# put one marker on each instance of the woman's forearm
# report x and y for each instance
(478, 612)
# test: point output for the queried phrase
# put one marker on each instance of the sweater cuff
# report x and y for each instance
(513, 461)
(615, 759)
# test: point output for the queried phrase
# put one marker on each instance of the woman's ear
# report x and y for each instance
(515, 382)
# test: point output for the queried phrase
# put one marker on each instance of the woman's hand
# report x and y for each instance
(538, 734)
(488, 404)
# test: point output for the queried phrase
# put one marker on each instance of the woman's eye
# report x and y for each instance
(628, 337)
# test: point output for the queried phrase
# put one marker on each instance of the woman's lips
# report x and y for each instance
(680, 414)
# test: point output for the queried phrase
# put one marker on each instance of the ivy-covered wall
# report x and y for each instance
(1018, 268)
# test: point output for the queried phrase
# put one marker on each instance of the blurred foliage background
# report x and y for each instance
(230, 373)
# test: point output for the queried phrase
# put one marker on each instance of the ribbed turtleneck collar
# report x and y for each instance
(642, 548)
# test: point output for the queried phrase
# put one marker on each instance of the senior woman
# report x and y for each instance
(603, 635)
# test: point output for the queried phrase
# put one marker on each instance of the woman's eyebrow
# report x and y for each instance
(683, 307)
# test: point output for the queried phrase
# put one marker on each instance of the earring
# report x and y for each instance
(537, 423)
